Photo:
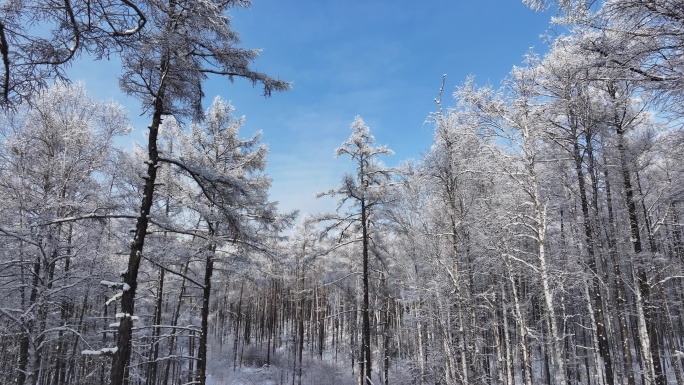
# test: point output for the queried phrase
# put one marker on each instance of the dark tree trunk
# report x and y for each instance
(619, 286)
(154, 351)
(236, 340)
(386, 335)
(174, 322)
(130, 276)
(366, 335)
(206, 293)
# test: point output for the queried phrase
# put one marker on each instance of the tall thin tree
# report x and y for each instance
(363, 191)
(165, 68)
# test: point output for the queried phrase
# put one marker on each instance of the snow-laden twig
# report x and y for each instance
(116, 297)
(116, 285)
(666, 279)
(101, 352)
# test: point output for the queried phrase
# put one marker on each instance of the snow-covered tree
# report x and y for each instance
(57, 158)
(360, 195)
(644, 38)
(39, 39)
(165, 69)
(230, 197)
(512, 114)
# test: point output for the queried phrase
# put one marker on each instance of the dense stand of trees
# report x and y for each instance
(538, 240)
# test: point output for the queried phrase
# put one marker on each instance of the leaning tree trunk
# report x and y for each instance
(130, 276)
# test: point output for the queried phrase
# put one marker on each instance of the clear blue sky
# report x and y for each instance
(380, 59)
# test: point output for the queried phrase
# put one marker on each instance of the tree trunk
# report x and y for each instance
(366, 335)
(154, 351)
(642, 288)
(25, 343)
(204, 332)
(130, 276)
(525, 363)
(386, 343)
(421, 345)
(174, 322)
(236, 339)
(619, 286)
(508, 360)
(602, 336)
(540, 221)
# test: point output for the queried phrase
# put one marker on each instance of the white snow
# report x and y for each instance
(126, 315)
(103, 351)
(116, 297)
(111, 285)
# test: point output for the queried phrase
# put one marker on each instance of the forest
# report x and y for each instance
(537, 241)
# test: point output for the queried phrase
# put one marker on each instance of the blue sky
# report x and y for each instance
(380, 59)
